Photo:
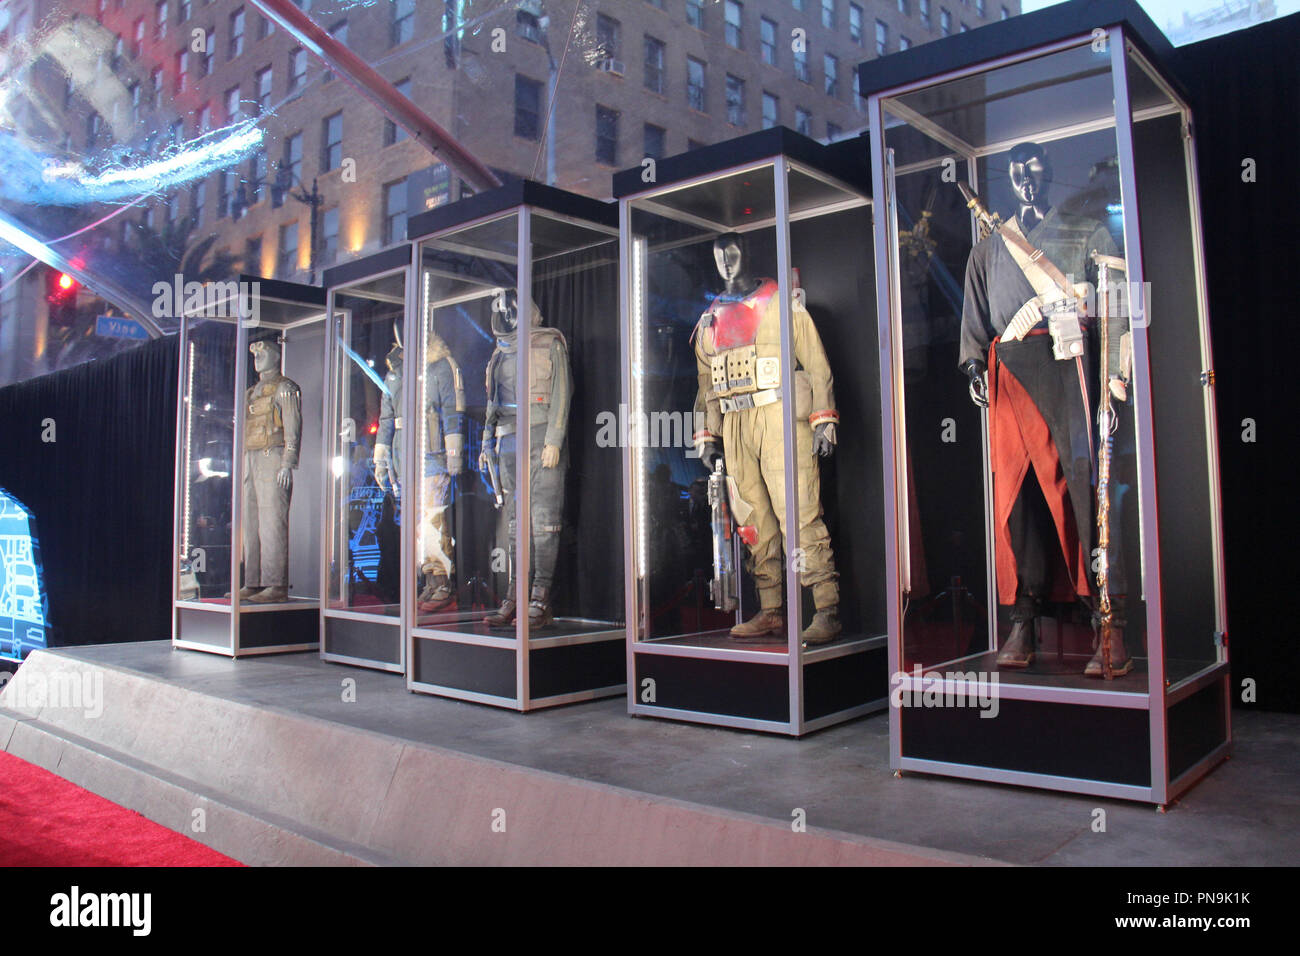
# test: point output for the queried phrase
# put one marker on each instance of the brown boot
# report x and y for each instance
(270, 596)
(539, 608)
(762, 627)
(1018, 649)
(505, 614)
(436, 595)
(825, 626)
(246, 593)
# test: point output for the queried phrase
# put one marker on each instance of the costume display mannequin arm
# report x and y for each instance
(561, 398)
(811, 356)
(708, 414)
(487, 450)
(382, 457)
(448, 401)
(976, 331)
(289, 398)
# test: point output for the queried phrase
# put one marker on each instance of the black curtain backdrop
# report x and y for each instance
(101, 491)
(1245, 90)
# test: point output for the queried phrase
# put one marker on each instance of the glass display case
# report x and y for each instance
(1054, 537)
(516, 556)
(248, 440)
(366, 462)
(751, 389)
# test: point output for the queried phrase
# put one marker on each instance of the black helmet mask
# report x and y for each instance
(505, 314)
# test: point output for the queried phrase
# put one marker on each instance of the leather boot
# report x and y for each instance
(762, 627)
(1120, 662)
(1018, 649)
(271, 595)
(504, 616)
(539, 608)
(246, 593)
(436, 596)
(825, 626)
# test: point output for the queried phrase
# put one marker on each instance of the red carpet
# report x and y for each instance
(47, 821)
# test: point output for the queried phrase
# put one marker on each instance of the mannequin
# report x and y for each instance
(738, 356)
(272, 438)
(548, 399)
(1041, 410)
(444, 458)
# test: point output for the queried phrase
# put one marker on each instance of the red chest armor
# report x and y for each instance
(736, 323)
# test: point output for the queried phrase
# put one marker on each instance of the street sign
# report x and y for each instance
(119, 327)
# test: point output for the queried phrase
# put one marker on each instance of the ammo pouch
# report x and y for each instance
(1067, 335)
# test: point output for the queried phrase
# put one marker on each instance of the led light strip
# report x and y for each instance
(638, 377)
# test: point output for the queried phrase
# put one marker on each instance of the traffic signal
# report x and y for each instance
(61, 295)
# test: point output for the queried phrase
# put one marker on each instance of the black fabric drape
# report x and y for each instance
(101, 491)
(1245, 88)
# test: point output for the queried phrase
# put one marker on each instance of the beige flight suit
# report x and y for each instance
(738, 355)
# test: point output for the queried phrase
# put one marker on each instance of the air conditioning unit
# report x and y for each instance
(617, 67)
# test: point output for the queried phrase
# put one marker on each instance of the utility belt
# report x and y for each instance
(397, 422)
(751, 400)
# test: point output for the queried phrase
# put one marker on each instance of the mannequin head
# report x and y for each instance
(729, 254)
(505, 313)
(266, 355)
(1030, 171)
(394, 357)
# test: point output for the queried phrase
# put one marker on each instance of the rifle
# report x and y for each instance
(722, 589)
(494, 475)
(1106, 424)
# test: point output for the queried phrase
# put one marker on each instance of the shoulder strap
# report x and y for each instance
(1042, 273)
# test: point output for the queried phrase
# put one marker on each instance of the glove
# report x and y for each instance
(383, 467)
(979, 389)
(284, 478)
(1118, 388)
(550, 456)
(710, 452)
(486, 453)
(824, 439)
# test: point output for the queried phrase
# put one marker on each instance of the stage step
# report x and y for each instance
(279, 787)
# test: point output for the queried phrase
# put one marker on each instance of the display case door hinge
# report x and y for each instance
(1207, 377)
(1220, 639)
(1187, 129)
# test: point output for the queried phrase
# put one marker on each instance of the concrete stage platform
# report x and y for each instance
(285, 771)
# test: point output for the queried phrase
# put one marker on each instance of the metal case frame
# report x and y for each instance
(374, 633)
(854, 662)
(466, 658)
(220, 628)
(1131, 41)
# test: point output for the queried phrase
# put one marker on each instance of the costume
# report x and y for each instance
(272, 438)
(738, 357)
(548, 399)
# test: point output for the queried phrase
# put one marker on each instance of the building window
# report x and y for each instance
(198, 199)
(1006, 14)
(331, 153)
(528, 107)
(654, 139)
(833, 132)
(801, 65)
(855, 22)
(297, 68)
(606, 136)
(225, 191)
(797, 4)
(292, 162)
(288, 261)
(235, 45)
(771, 110)
(184, 10)
(695, 13)
(137, 42)
(965, 26)
(734, 31)
(134, 91)
(176, 132)
(979, 7)
(607, 31)
(205, 58)
(528, 26)
(263, 95)
(905, 7)
(156, 84)
(403, 23)
(767, 40)
(945, 22)
(339, 32)
(329, 236)
(654, 65)
(173, 208)
(253, 255)
(828, 14)
(265, 27)
(395, 212)
(232, 105)
(904, 43)
(160, 19)
(257, 176)
(857, 92)
(392, 132)
(695, 84)
(925, 13)
(831, 68)
(803, 121)
(735, 100)
(882, 39)
(92, 129)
